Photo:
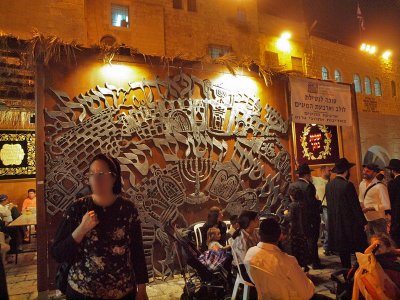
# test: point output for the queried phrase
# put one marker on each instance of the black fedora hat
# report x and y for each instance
(372, 167)
(394, 164)
(304, 169)
(342, 165)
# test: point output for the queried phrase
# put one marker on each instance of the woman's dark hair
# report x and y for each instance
(114, 167)
(244, 220)
(297, 194)
(212, 218)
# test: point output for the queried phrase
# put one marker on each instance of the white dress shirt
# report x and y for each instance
(320, 184)
(377, 197)
(276, 274)
(5, 213)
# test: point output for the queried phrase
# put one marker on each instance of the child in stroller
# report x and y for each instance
(387, 258)
(202, 279)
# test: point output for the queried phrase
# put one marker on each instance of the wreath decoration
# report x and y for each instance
(327, 140)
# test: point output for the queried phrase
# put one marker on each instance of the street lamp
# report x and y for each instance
(386, 55)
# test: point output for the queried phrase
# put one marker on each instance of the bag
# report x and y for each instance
(213, 259)
(62, 276)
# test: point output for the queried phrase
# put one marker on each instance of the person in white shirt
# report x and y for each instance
(320, 185)
(374, 200)
(276, 274)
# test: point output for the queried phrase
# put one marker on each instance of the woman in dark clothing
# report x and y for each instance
(214, 219)
(3, 282)
(296, 242)
(100, 237)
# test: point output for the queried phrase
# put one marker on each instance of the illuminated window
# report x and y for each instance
(377, 88)
(367, 86)
(119, 16)
(297, 63)
(191, 5)
(357, 83)
(216, 51)
(338, 76)
(325, 73)
(177, 4)
(241, 15)
(394, 92)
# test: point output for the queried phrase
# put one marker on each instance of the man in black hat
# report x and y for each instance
(374, 199)
(394, 195)
(347, 223)
(312, 221)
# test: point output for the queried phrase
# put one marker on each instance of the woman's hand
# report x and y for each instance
(89, 221)
(141, 292)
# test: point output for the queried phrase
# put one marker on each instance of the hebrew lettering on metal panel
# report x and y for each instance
(182, 142)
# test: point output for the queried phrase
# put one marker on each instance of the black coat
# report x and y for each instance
(311, 218)
(394, 195)
(345, 217)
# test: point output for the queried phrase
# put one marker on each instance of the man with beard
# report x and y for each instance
(394, 195)
(312, 216)
(346, 220)
(374, 200)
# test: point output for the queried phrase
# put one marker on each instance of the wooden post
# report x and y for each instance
(42, 240)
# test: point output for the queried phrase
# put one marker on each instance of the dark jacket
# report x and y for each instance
(312, 206)
(394, 195)
(345, 217)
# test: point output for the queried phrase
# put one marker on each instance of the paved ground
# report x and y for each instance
(22, 280)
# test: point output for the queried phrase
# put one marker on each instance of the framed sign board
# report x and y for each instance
(17, 154)
(316, 144)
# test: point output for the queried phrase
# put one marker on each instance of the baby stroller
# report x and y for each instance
(344, 278)
(200, 282)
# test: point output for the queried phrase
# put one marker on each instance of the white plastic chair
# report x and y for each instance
(239, 278)
(197, 234)
(228, 225)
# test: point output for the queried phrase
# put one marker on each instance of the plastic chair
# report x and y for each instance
(228, 225)
(197, 234)
(239, 278)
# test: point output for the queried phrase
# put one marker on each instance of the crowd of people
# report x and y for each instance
(100, 249)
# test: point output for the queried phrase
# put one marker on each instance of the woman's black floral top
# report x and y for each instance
(110, 260)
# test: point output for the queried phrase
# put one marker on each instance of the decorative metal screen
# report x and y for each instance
(182, 142)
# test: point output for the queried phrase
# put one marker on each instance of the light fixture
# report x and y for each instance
(387, 54)
(283, 43)
(371, 49)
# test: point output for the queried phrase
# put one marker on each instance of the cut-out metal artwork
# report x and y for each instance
(183, 143)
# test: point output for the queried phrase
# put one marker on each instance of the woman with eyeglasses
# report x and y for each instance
(100, 239)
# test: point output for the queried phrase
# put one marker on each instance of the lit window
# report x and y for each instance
(177, 4)
(325, 73)
(216, 51)
(191, 5)
(297, 63)
(120, 16)
(394, 92)
(357, 83)
(338, 76)
(241, 15)
(377, 88)
(367, 86)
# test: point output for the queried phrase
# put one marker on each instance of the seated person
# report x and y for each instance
(9, 212)
(214, 219)
(213, 236)
(30, 202)
(234, 226)
(276, 274)
(246, 236)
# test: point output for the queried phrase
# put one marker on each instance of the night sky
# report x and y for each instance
(337, 19)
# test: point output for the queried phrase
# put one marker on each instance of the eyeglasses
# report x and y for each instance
(99, 175)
